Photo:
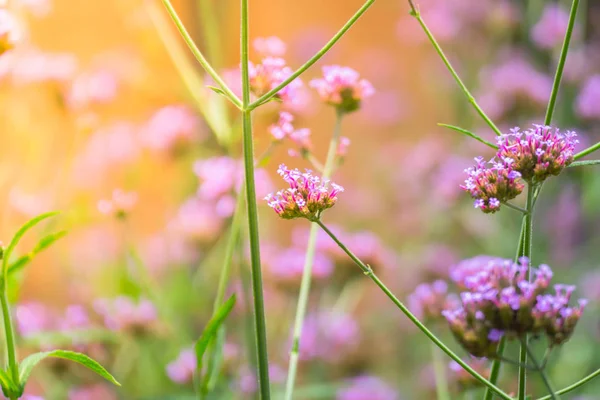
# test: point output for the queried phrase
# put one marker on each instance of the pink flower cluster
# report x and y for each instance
(269, 74)
(328, 336)
(120, 204)
(367, 387)
(550, 30)
(33, 318)
(283, 129)
(182, 369)
(429, 300)
(170, 128)
(342, 87)
(492, 185)
(307, 197)
(537, 153)
(125, 313)
(500, 300)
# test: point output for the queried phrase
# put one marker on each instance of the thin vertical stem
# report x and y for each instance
(561, 63)
(257, 290)
(307, 271)
(495, 369)
(369, 272)
(545, 378)
(527, 246)
(415, 13)
(9, 332)
(439, 369)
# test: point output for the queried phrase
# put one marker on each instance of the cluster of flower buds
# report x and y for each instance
(307, 197)
(284, 128)
(532, 156)
(342, 87)
(429, 300)
(491, 185)
(500, 299)
(537, 153)
(269, 74)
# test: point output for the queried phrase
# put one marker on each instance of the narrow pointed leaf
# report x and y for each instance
(15, 240)
(43, 244)
(211, 330)
(584, 163)
(470, 134)
(7, 383)
(30, 362)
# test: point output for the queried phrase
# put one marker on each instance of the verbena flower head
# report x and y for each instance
(269, 74)
(500, 300)
(491, 184)
(537, 153)
(367, 387)
(284, 128)
(307, 197)
(429, 300)
(269, 46)
(342, 87)
(10, 32)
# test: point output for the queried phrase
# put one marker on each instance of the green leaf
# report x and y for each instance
(44, 243)
(470, 134)
(30, 362)
(211, 329)
(584, 163)
(7, 383)
(15, 240)
(217, 90)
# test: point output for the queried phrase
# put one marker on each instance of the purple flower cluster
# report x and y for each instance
(500, 300)
(429, 300)
(367, 387)
(537, 153)
(271, 72)
(532, 155)
(307, 197)
(342, 87)
(328, 336)
(492, 185)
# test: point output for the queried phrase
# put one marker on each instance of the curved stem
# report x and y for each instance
(369, 272)
(9, 331)
(267, 96)
(561, 63)
(574, 386)
(257, 290)
(307, 270)
(199, 56)
(587, 151)
(415, 13)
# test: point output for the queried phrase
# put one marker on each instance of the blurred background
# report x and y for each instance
(106, 117)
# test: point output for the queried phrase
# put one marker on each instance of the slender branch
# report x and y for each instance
(470, 134)
(527, 246)
(538, 366)
(587, 151)
(574, 386)
(415, 13)
(316, 164)
(561, 63)
(307, 271)
(514, 207)
(267, 96)
(257, 290)
(369, 272)
(199, 56)
(584, 163)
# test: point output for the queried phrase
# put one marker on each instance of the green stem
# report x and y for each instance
(9, 332)
(561, 63)
(267, 96)
(574, 386)
(369, 272)
(257, 290)
(470, 134)
(495, 369)
(514, 207)
(527, 246)
(587, 151)
(307, 271)
(415, 13)
(535, 362)
(439, 370)
(199, 56)
(584, 163)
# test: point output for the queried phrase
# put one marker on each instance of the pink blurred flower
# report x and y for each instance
(550, 30)
(94, 87)
(32, 318)
(288, 265)
(24, 66)
(167, 249)
(75, 317)
(91, 392)
(169, 128)
(29, 204)
(343, 145)
(247, 382)
(367, 388)
(269, 46)
(182, 369)
(197, 220)
(587, 103)
(283, 128)
(328, 336)
(119, 205)
(271, 72)
(342, 87)
(125, 313)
